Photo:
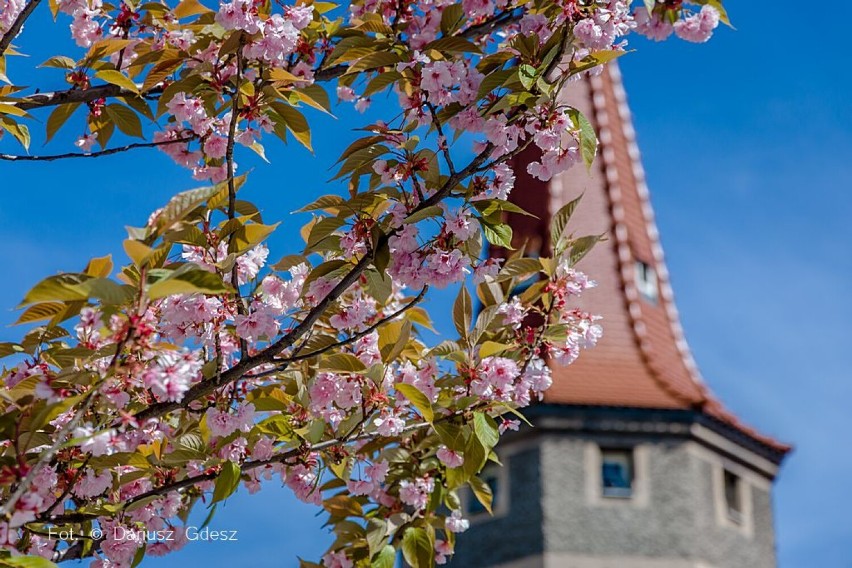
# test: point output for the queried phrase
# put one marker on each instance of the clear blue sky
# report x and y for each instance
(746, 142)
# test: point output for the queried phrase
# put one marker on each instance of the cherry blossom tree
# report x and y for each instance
(201, 365)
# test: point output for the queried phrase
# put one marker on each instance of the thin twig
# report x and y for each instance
(97, 154)
(232, 188)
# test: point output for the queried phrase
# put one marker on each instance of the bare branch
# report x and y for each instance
(107, 152)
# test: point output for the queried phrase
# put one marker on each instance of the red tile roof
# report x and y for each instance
(643, 359)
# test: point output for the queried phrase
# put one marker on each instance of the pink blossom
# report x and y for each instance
(698, 27)
(415, 493)
(456, 524)
(9, 10)
(239, 14)
(346, 94)
(302, 481)
(513, 312)
(172, 374)
(91, 485)
(356, 487)
(653, 27)
(84, 28)
(367, 349)
(337, 560)
(508, 425)
(260, 324)
(477, 8)
(86, 141)
(263, 449)
(378, 471)
(448, 457)
(443, 551)
(215, 146)
(487, 270)
(389, 424)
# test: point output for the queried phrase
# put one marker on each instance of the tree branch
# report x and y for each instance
(41, 100)
(268, 355)
(354, 337)
(107, 152)
(13, 31)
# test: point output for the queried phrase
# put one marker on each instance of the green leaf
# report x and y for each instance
(463, 312)
(425, 213)
(453, 44)
(519, 268)
(418, 548)
(99, 267)
(418, 399)
(582, 246)
(19, 131)
(381, 82)
(374, 61)
(343, 362)
(324, 202)
(560, 221)
(185, 202)
(296, 123)
(385, 559)
(249, 236)
(227, 481)
(117, 78)
(486, 430)
(588, 138)
(527, 73)
(62, 287)
(58, 117)
(482, 492)
(490, 348)
(188, 279)
(377, 535)
(188, 8)
(126, 119)
(452, 18)
(138, 252)
(26, 562)
(498, 234)
(42, 311)
(7, 348)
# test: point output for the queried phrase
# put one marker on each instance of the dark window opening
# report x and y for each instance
(646, 281)
(733, 496)
(617, 472)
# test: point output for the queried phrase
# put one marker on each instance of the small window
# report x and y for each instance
(617, 473)
(646, 281)
(734, 497)
(490, 475)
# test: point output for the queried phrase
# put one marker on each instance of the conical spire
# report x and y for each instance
(643, 359)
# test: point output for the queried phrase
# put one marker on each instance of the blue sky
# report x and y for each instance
(745, 141)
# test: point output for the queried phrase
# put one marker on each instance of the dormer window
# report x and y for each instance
(646, 281)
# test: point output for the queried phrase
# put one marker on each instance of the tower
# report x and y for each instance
(632, 462)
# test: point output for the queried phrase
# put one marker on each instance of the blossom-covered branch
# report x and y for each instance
(200, 366)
